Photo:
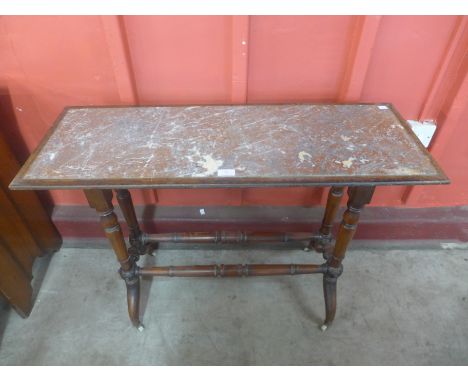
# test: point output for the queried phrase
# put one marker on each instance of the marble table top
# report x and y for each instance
(228, 146)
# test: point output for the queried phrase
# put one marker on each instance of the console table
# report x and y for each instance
(100, 149)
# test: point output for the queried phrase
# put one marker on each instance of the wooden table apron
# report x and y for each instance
(355, 147)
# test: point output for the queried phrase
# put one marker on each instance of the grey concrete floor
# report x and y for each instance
(395, 307)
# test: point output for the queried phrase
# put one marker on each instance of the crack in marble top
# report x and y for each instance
(261, 141)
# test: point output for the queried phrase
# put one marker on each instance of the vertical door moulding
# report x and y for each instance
(446, 90)
(452, 122)
(444, 77)
(360, 53)
(117, 44)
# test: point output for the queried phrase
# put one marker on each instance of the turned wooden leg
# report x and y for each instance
(136, 237)
(132, 281)
(329, 293)
(101, 201)
(333, 204)
(358, 198)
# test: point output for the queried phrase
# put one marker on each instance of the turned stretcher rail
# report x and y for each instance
(233, 270)
(229, 237)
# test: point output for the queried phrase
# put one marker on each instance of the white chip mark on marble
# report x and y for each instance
(303, 155)
(210, 165)
(348, 162)
(52, 156)
(364, 161)
(202, 211)
(345, 138)
(226, 172)
(382, 107)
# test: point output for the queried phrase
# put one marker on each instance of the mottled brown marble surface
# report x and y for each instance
(261, 144)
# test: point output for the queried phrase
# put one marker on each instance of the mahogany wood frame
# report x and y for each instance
(332, 268)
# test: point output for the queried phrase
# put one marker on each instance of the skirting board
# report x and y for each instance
(376, 223)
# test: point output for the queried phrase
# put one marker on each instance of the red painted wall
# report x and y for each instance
(419, 63)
